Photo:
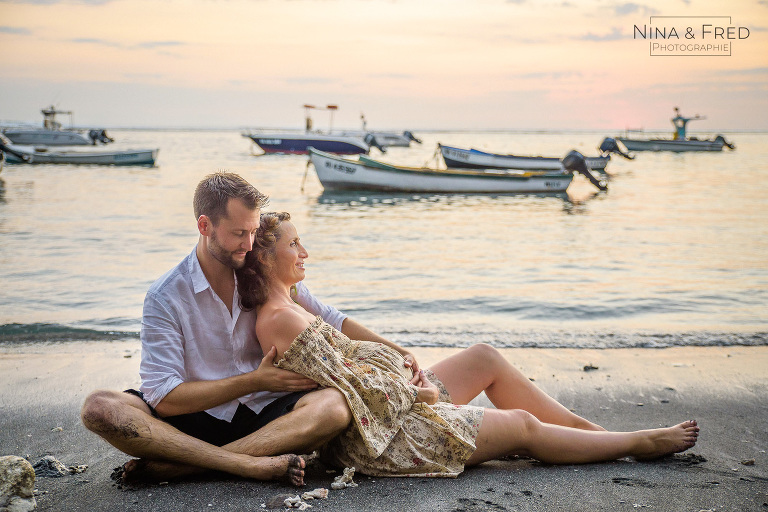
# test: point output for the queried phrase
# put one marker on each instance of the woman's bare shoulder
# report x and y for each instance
(280, 324)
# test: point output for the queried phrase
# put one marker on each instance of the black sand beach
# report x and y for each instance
(724, 388)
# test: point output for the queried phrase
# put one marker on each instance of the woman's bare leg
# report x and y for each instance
(482, 368)
(517, 432)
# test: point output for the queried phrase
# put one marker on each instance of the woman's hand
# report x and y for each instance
(410, 362)
(427, 392)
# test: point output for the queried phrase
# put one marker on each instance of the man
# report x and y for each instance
(206, 400)
(680, 124)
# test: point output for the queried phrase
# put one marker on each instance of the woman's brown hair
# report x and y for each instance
(252, 278)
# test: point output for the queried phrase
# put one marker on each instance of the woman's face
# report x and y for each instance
(289, 255)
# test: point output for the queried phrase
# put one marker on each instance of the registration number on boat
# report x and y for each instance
(456, 154)
(271, 142)
(341, 167)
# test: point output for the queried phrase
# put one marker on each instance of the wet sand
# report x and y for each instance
(724, 388)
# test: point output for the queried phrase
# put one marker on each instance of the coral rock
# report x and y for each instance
(318, 494)
(345, 480)
(17, 484)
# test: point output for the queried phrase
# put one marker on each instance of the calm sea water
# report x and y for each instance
(674, 253)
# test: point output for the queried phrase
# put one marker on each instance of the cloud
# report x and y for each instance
(550, 75)
(51, 2)
(302, 80)
(615, 35)
(390, 76)
(159, 44)
(633, 8)
(743, 72)
(100, 42)
(147, 45)
(19, 31)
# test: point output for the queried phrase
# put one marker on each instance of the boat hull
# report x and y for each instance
(458, 158)
(677, 146)
(128, 157)
(300, 144)
(47, 137)
(343, 174)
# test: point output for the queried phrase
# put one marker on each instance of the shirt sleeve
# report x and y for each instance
(162, 351)
(309, 302)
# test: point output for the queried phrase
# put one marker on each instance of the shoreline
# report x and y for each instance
(724, 388)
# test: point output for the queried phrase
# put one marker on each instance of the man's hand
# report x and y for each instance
(271, 378)
(428, 392)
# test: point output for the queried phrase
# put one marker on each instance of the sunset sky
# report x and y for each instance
(416, 64)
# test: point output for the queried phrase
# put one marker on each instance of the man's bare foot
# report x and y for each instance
(143, 471)
(666, 441)
(289, 467)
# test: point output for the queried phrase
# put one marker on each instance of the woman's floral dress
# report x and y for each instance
(390, 434)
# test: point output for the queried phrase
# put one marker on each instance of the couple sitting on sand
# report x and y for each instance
(242, 366)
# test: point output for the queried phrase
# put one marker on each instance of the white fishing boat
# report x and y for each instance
(677, 146)
(53, 134)
(459, 158)
(337, 173)
(680, 142)
(18, 154)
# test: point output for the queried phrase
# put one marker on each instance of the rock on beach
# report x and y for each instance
(17, 484)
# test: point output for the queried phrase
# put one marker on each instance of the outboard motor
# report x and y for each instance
(411, 136)
(727, 144)
(370, 139)
(610, 145)
(100, 136)
(5, 149)
(575, 162)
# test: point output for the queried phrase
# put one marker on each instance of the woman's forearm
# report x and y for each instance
(356, 331)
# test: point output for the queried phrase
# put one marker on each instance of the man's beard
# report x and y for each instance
(222, 256)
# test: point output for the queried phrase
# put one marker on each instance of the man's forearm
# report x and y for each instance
(200, 395)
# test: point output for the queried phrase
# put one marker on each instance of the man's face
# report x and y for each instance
(233, 236)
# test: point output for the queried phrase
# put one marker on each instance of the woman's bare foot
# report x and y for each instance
(666, 441)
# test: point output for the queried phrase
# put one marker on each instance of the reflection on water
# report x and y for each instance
(362, 199)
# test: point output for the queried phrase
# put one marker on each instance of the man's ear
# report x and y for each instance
(204, 225)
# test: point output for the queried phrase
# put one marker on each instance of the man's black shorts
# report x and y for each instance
(219, 432)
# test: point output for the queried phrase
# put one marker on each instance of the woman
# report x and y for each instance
(406, 425)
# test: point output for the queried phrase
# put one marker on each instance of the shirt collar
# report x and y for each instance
(199, 281)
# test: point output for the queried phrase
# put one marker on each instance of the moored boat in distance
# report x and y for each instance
(337, 173)
(299, 143)
(677, 146)
(680, 142)
(385, 139)
(18, 154)
(52, 133)
(278, 142)
(459, 158)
